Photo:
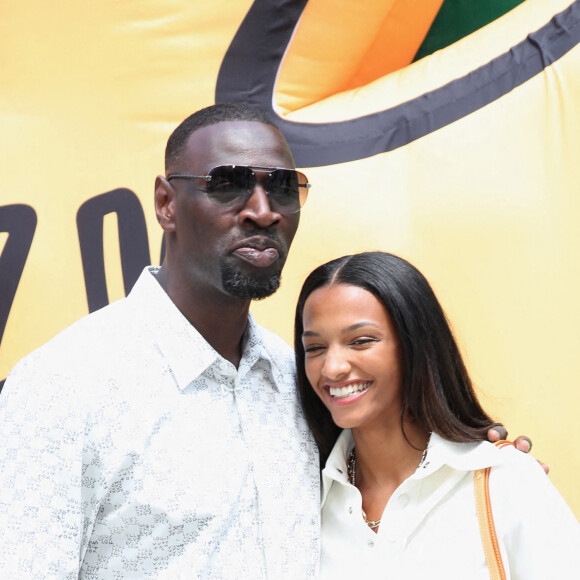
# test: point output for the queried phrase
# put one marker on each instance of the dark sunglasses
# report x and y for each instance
(232, 185)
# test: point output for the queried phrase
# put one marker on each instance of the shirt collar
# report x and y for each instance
(335, 468)
(440, 452)
(459, 456)
(255, 349)
(187, 353)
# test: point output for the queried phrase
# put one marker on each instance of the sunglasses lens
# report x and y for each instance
(231, 182)
(233, 185)
(284, 191)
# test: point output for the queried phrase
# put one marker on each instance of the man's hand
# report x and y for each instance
(523, 443)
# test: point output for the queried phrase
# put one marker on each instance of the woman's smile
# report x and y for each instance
(347, 394)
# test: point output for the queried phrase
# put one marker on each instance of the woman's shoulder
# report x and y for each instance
(515, 466)
(534, 524)
(522, 494)
(516, 476)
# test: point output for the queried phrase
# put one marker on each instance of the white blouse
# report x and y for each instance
(429, 528)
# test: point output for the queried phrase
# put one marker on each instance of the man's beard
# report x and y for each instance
(242, 285)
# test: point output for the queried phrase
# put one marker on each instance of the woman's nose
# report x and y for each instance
(336, 365)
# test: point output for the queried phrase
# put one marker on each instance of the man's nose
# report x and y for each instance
(257, 208)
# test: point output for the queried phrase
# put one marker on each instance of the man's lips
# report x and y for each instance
(259, 258)
(258, 251)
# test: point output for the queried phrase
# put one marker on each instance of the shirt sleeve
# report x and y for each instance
(538, 533)
(41, 505)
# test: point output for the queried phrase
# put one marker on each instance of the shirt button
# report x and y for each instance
(350, 510)
(371, 544)
(404, 500)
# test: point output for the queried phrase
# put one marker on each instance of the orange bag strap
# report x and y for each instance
(485, 519)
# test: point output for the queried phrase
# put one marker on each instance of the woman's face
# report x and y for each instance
(352, 356)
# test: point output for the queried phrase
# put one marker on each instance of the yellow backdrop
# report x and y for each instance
(481, 192)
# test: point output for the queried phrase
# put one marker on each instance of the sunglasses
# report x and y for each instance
(232, 186)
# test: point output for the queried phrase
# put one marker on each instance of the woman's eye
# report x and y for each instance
(313, 348)
(363, 341)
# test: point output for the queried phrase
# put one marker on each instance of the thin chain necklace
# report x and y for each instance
(351, 469)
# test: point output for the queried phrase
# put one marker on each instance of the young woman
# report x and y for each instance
(391, 405)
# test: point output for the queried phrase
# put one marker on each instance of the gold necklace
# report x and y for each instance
(351, 470)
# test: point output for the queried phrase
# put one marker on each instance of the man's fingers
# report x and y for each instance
(544, 467)
(523, 443)
(497, 433)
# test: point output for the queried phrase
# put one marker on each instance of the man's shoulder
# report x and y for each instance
(273, 343)
(103, 324)
(100, 332)
(94, 337)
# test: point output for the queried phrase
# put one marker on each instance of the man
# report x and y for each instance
(161, 436)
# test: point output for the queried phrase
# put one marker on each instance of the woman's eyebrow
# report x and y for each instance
(350, 328)
(310, 333)
(359, 325)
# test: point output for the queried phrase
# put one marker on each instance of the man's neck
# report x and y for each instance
(221, 319)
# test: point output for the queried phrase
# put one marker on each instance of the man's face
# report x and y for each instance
(238, 251)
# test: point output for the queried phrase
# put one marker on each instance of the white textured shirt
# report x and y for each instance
(429, 529)
(131, 449)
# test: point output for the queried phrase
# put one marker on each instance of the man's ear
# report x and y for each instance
(165, 204)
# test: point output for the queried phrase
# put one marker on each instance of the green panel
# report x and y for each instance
(458, 18)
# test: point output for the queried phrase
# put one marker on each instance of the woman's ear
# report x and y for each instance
(165, 204)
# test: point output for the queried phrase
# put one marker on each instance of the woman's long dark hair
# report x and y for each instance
(436, 391)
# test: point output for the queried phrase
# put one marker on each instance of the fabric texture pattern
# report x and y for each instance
(132, 449)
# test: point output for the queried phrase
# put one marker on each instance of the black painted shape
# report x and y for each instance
(249, 69)
(133, 242)
(19, 221)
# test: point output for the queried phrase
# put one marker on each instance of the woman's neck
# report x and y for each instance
(384, 459)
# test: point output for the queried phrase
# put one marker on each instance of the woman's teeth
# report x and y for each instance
(341, 392)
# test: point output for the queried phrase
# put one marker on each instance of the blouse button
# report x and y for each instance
(350, 509)
(371, 544)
